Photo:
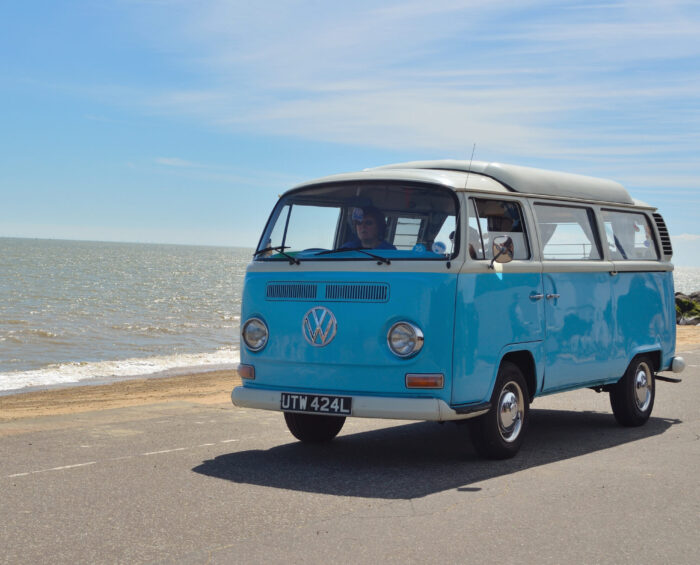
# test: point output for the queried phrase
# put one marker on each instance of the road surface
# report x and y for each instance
(189, 483)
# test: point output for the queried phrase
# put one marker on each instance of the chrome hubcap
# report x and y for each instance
(642, 387)
(510, 412)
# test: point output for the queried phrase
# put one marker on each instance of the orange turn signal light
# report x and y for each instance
(246, 371)
(425, 380)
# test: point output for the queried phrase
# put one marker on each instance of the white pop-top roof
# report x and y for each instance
(532, 181)
(494, 177)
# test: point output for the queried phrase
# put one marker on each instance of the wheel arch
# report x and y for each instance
(526, 363)
(653, 354)
(655, 358)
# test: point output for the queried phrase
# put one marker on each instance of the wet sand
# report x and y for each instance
(202, 388)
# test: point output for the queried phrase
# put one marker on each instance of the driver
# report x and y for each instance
(370, 229)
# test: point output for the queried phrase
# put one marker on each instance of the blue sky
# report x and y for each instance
(181, 122)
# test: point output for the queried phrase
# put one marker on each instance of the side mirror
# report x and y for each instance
(503, 250)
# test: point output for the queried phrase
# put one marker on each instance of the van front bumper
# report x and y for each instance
(393, 408)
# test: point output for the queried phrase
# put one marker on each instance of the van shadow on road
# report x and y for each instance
(418, 459)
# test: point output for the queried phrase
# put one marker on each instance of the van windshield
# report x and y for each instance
(363, 221)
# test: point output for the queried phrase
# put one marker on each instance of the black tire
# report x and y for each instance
(499, 433)
(311, 428)
(632, 397)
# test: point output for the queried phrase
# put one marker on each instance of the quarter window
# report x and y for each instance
(629, 236)
(567, 233)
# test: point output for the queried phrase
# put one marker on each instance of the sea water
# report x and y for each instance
(79, 312)
(73, 311)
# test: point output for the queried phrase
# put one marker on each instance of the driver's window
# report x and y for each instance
(492, 218)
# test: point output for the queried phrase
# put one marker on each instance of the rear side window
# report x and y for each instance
(567, 233)
(489, 219)
(629, 235)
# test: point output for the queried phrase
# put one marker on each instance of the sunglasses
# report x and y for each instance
(364, 223)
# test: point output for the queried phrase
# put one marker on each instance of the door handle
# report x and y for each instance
(534, 297)
(550, 296)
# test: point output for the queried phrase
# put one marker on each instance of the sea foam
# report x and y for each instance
(107, 371)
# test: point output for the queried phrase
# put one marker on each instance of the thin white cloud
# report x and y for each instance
(224, 175)
(175, 162)
(531, 80)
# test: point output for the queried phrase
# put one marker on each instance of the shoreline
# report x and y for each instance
(211, 387)
(189, 371)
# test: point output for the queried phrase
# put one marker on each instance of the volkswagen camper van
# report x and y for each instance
(455, 291)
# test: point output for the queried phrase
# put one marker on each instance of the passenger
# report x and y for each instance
(370, 228)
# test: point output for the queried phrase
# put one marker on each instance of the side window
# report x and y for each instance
(407, 232)
(446, 236)
(567, 233)
(429, 233)
(629, 236)
(489, 219)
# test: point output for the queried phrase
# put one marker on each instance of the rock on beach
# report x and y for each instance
(688, 309)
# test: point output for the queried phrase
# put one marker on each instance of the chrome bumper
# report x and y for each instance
(392, 408)
(678, 364)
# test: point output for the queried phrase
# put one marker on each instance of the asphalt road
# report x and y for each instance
(185, 483)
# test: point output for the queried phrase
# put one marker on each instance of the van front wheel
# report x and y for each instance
(499, 433)
(632, 397)
(311, 428)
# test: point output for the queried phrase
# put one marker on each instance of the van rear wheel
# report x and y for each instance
(499, 433)
(632, 397)
(312, 428)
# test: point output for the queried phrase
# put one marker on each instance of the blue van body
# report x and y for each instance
(584, 298)
(352, 363)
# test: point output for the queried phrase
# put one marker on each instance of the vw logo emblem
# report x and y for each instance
(319, 326)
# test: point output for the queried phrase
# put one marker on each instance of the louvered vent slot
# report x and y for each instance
(358, 292)
(663, 233)
(291, 291)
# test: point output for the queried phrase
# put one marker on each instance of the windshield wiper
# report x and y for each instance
(280, 249)
(379, 258)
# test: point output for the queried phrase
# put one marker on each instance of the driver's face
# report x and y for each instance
(367, 230)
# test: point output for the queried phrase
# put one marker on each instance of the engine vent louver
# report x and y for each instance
(357, 292)
(291, 291)
(332, 292)
(665, 237)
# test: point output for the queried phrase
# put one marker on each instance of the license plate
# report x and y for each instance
(316, 404)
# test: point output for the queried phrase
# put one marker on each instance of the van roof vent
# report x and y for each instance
(665, 237)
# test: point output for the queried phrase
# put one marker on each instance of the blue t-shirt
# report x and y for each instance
(355, 242)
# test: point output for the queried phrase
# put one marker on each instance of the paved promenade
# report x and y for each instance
(192, 483)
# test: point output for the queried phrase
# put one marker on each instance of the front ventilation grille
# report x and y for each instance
(357, 292)
(665, 237)
(291, 291)
(332, 292)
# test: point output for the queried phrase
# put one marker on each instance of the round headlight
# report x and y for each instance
(405, 339)
(254, 334)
